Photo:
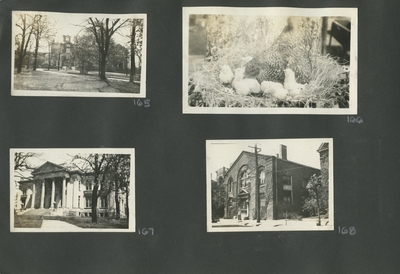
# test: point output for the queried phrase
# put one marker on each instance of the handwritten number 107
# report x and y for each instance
(145, 231)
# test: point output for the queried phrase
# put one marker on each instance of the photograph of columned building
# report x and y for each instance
(72, 190)
(67, 192)
(287, 188)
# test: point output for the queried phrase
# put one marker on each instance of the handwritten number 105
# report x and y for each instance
(344, 230)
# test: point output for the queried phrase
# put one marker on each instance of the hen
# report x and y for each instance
(292, 49)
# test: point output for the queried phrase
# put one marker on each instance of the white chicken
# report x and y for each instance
(275, 89)
(239, 84)
(226, 76)
(253, 85)
(290, 83)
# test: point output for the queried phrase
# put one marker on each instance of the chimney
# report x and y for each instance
(283, 150)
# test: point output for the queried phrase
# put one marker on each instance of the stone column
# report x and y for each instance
(52, 193)
(42, 195)
(63, 193)
(33, 195)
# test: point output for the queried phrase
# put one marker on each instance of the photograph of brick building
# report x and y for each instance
(289, 187)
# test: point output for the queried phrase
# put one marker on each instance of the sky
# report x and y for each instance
(72, 23)
(61, 156)
(222, 153)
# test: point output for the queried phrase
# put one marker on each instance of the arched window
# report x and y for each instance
(243, 177)
(230, 184)
(262, 175)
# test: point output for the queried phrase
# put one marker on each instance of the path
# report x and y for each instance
(54, 224)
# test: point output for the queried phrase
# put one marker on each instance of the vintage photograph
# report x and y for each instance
(72, 190)
(269, 185)
(269, 60)
(78, 54)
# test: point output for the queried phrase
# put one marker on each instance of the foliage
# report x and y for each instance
(103, 30)
(318, 197)
(85, 51)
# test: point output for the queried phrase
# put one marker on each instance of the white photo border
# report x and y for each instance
(209, 171)
(49, 93)
(273, 11)
(132, 201)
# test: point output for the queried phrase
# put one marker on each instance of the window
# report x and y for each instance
(104, 202)
(230, 185)
(287, 196)
(287, 189)
(244, 178)
(88, 201)
(79, 201)
(262, 177)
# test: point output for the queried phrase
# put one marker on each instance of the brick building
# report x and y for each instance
(282, 186)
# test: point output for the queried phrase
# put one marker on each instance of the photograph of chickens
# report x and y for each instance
(270, 60)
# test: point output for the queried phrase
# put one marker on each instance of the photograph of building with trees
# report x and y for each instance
(63, 190)
(287, 187)
(72, 54)
(269, 60)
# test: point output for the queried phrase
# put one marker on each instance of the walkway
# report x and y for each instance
(54, 224)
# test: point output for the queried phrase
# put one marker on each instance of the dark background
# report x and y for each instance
(171, 164)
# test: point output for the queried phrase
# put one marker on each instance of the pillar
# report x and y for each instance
(52, 193)
(42, 196)
(63, 193)
(33, 195)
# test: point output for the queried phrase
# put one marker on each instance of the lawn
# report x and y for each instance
(29, 221)
(86, 222)
(73, 81)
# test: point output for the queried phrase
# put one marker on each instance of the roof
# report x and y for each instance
(265, 157)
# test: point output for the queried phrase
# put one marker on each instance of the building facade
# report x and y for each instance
(282, 186)
(67, 192)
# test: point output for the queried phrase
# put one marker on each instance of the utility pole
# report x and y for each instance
(256, 150)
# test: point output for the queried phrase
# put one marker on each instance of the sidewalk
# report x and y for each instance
(53, 224)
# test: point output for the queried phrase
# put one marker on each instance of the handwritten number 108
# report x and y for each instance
(344, 230)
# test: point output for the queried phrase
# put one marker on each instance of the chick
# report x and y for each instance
(253, 85)
(226, 76)
(239, 84)
(290, 83)
(275, 89)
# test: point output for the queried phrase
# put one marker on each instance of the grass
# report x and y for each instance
(86, 222)
(327, 80)
(30, 221)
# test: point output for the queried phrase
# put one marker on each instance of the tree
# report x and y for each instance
(120, 170)
(136, 45)
(97, 165)
(117, 55)
(85, 51)
(41, 30)
(103, 30)
(22, 163)
(318, 201)
(26, 25)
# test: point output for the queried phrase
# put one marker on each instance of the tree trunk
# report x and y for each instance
(94, 203)
(127, 203)
(103, 67)
(117, 208)
(132, 71)
(36, 53)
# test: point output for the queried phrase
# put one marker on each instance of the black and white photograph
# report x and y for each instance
(269, 60)
(269, 185)
(78, 54)
(72, 190)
